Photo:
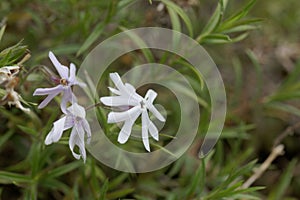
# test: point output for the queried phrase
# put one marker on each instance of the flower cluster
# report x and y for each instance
(125, 97)
(74, 115)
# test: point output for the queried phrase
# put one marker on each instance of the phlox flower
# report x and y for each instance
(65, 82)
(75, 119)
(136, 105)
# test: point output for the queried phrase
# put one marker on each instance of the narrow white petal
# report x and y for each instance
(156, 113)
(150, 96)
(118, 101)
(115, 117)
(62, 70)
(145, 137)
(152, 128)
(56, 132)
(116, 79)
(77, 138)
(126, 129)
(114, 91)
(87, 128)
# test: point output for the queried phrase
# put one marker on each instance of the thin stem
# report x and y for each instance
(278, 150)
(99, 104)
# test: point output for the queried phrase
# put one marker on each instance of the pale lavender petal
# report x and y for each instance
(87, 128)
(145, 137)
(150, 96)
(47, 100)
(156, 113)
(114, 117)
(45, 91)
(77, 110)
(119, 101)
(114, 91)
(152, 128)
(80, 84)
(77, 138)
(56, 132)
(72, 77)
(70, 122)
(67, 97)
(62, 70)
(127, 127)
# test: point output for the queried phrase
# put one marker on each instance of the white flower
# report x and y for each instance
(75, 119)
(137, 105)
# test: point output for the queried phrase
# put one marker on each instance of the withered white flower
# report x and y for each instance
(75, 119)
(136, 106)
(10, 80)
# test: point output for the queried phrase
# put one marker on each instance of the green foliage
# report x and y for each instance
(71, 28)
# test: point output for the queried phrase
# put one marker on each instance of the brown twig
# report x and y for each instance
(288, 131)
(276, 151)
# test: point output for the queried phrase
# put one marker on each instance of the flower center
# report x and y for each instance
(143, 105)
(63, 82)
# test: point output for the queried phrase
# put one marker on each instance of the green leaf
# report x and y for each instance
(103, 190)
(141, 44)
(172, 6)
(59, 171)
(242, 13)
(29, 131)
(92, 38)
(6, 137)
(120, 193)
(215, 20)
(174, 20)
(285, 181)
(198, 180)
(13, 178)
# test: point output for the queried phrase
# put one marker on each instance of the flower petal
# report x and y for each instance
(47, 100)
(156, 113)
(114, 91)
(119, 101)
(56, 132)
(116, 79)
(72, 76)
(127, 127)
(87, 128)
(152, 128)
(62, 70)
(145, 137)
(77, 138)
(68, 96)
(45, 91)
(77, 110)
(150, 96)
(114, 117)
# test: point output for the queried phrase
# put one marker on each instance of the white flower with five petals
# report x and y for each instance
(75, 119)
(137, 105)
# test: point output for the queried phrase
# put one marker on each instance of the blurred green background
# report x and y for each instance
(258, 56)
